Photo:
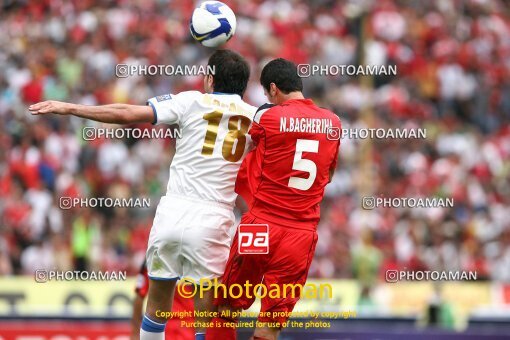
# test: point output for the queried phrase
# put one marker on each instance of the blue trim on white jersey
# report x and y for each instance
(163, 278)
(225, 94)
(154, 112)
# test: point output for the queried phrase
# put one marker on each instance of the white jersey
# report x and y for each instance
(214, 140)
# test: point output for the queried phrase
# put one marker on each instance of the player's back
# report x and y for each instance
(213, 142)
(297, 145)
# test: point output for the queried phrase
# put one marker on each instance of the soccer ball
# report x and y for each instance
(213, 23)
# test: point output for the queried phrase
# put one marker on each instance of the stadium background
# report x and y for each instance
(453, 61)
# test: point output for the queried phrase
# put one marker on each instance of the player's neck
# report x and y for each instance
(292, 95)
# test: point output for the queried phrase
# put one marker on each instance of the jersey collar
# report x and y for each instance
(226, 94)
(305, 101)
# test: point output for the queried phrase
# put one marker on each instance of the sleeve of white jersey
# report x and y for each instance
(169, 108)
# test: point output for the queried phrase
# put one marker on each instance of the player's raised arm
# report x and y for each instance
(112, 113)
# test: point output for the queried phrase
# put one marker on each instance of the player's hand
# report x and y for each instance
(51, 106)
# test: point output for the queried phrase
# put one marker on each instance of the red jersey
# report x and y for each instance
(142, 282)
(284, 177)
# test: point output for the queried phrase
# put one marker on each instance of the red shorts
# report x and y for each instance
(287, 263)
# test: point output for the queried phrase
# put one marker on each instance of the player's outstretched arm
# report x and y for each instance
(113, 113)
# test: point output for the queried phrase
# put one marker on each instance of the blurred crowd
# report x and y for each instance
(453, 80)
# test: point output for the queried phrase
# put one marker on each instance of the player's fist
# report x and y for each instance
(51, 106)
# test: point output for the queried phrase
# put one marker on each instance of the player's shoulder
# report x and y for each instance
(231, 103)
(259, 112)
(247, 109)
(190, 95)
(276, 111)
(180, 95)
(330, 114)
(273, 112)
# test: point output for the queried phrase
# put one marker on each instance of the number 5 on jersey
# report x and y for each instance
(305, 165)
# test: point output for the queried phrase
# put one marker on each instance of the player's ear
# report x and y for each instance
(273, 90)
(208, 83)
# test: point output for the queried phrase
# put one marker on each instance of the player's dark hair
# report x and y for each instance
(231, 72)
(283, 73)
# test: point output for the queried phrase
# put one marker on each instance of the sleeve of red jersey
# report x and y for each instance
(257, 131)
(244, 180)
(242, 186)
(247, 175)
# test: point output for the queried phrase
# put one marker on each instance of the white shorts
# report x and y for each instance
(189, 238)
